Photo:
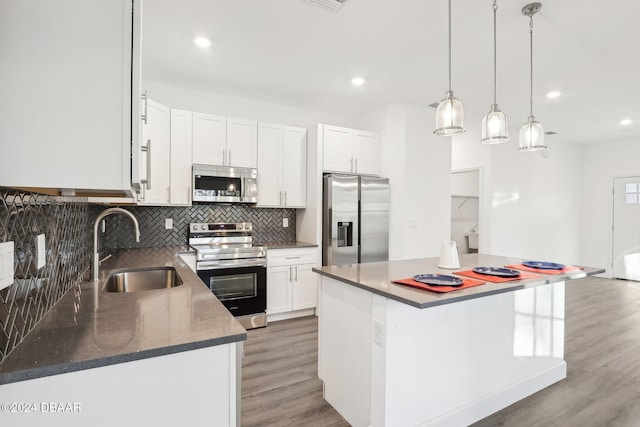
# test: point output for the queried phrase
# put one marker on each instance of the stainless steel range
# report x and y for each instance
(234, 269)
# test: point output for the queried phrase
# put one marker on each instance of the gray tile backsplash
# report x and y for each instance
(267, 224)
(64, 222)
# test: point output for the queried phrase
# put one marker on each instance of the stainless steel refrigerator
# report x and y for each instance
(355, 219)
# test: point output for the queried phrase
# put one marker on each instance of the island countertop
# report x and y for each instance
(89, 328)
(377, 277)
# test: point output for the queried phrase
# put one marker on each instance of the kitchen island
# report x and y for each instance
(393, 355)
(152, 357)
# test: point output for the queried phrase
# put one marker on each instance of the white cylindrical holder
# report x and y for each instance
(449, 255)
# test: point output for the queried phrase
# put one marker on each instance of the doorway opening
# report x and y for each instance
(465, 209)
(626, 228)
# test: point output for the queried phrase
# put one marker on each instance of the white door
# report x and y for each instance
(278, 289)
(337, 153)
(209, 139)
(294, 167)
(181, 142)
(269, 165)
(156, 160)
(366, 153)
(242, 143)
(626, 228)
(305, 287)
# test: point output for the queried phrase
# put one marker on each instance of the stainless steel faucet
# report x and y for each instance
(96, 257)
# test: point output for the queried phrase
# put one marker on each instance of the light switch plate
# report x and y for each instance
(285, 222)
(41, 251)
(168, 223)
(6, 264)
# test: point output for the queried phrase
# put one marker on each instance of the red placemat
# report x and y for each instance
(466, 283)
(496, 279)
(566, 269)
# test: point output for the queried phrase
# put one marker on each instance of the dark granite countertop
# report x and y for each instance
(289, 245)
(89, 328)
(377, 277)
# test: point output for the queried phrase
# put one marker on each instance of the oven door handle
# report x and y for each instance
(214, 265)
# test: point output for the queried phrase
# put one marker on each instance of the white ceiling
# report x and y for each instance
(293, 52)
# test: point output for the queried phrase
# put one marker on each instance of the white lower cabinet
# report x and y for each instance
(292, 288)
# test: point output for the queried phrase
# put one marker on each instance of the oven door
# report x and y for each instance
(243, 290)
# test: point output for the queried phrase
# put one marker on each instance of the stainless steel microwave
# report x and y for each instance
(224, 184)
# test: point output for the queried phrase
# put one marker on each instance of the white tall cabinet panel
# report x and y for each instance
(350, 151)
(156, 155)
(209, 139)
(242, 143)
(66, 84)
(181, 154)
(282, 166)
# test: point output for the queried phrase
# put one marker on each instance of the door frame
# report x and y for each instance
(484, 241)
(612, 213)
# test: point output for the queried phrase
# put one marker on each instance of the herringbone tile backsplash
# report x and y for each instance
(267, 224)
(64, 222)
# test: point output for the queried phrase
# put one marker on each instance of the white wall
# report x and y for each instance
(603, 162)
(531, 202)
(418, 165)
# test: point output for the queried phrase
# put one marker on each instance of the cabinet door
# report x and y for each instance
(181, 142)
(242, 143)
(304, 287)
(337, 149)
(66, 100)
(278, 289)
(269, 165)
(366, 152)
(294, 167)
(209, 139)
(156, 160)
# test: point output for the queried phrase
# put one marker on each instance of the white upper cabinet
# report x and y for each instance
(209, 139)
(70, 70)
(282, 166)
(156, 155)
(218, 140)
(350, 151)
(181, 147)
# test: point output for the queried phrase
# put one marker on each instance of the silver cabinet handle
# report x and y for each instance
(147, 149)
(296, 279)
(351, 165)
(285, 198)
(224, 156)
(280, 198)
(229, 156)
(168, 194)
(146, 107)
(356, 171)
(292, 257)
(290, 273)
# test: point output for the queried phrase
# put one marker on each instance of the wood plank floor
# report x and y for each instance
(280, 386)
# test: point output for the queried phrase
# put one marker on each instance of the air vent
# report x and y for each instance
(332, 5)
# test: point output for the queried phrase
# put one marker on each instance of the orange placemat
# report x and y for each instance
(566, 269)
(466, 283)
(496, 279)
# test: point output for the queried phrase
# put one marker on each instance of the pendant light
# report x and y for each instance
(449, 114)
(531, 133)
(495, 128)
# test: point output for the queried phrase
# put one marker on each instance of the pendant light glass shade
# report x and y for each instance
(532, 136)
(531, 133)
(449, 114)
(495, 127)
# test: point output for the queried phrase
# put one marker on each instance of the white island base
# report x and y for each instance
(387, 363)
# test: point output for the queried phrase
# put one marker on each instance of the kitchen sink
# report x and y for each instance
(147, 279)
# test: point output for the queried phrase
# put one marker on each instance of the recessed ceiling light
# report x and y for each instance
(202, 41)
(626, 122)
(553, 94)
(357, 81)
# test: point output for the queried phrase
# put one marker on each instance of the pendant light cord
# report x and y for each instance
(449, 45)
(531, 64)
(495, 60)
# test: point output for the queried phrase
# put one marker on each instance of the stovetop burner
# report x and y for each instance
(223, 241)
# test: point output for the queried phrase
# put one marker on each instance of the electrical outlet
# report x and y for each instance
(168, 223)
(41, 251)
(378, 333)
(285, 222)
(6, 264)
